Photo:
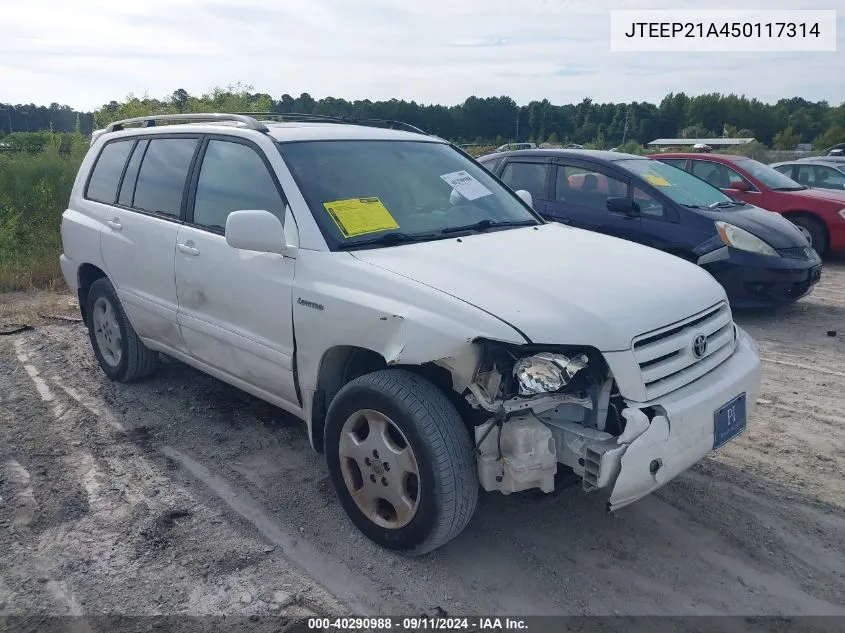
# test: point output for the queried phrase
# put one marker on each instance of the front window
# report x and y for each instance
(528, 176)
(233, 177)
(680, 163)
(364, 191)
(819, 176)
(772, 178)
(587, 188)
(678, 185)
(718, 174)
(491, 164)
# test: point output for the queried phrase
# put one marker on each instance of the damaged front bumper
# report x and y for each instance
(685, 432)
(649, 453)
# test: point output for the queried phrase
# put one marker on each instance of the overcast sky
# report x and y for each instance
(84, 53)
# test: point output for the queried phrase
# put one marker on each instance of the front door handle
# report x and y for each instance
(115, 224)
(188, 249)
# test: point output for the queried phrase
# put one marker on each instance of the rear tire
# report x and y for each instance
(814, 231)
(121, 354)
(401, 461)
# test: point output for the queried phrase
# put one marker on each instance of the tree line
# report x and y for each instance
(492, 120)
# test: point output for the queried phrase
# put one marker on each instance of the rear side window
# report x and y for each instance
(675, 162)
(127, 188)
(102, 187)
(163, 175)
(233, 177)
(528, 176)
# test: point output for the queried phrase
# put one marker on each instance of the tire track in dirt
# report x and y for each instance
(118, 550)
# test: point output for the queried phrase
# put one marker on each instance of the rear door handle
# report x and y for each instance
(188, 249)
(115, 224)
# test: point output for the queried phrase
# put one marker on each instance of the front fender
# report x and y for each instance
(339, 300)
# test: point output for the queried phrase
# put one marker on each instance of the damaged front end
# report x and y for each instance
(555, 411)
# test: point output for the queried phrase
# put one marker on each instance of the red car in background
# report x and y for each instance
(818, 213)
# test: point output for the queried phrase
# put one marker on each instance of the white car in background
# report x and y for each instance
(512, 147)
(821, 172)
(430, 329)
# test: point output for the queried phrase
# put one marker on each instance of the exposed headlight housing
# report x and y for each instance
(547, 372)
(741, 239)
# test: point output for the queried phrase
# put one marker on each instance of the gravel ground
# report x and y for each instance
(182, 495)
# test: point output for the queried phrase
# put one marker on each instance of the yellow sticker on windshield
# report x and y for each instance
(657, 181)
(359, 216)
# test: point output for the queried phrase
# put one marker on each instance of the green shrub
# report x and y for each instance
(754, 150)
(34, 191)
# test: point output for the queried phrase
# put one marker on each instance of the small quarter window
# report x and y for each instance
(102, 187)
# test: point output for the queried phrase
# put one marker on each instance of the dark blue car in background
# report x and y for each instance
(759, 257)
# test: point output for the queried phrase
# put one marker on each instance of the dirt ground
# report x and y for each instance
(182, 495)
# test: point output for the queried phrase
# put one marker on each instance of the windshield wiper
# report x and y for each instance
(802, 188)
(485, 224)
(727, 204)
(388, 239)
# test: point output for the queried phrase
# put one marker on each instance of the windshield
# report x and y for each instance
(768, 176)
(680, 186)
(364, 191)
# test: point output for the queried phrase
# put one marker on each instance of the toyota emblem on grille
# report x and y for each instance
(699, 346)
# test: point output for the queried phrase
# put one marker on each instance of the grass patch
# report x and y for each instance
(34, 192)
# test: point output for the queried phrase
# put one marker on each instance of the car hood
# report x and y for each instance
(830, 195)
(559, 285)
(771, 227)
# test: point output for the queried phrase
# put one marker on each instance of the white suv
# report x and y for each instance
(433, 332)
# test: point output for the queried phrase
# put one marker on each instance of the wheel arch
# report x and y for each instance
(343, 363)
(338, 365)
(86, 275)
(801, 213)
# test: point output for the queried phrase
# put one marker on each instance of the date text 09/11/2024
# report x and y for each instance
(416, 624)
(732, 29)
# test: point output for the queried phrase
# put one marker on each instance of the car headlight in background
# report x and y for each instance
(842, 213)
(741, 239)
(547, 372)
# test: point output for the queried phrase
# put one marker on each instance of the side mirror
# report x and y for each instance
(255, 231)
(740, 185)
(625, 206)
(526, 197)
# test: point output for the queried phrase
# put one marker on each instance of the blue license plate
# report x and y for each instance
(729, 421)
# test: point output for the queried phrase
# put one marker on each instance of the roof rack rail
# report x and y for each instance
(325, 118)
(150, 121)
(397, 125)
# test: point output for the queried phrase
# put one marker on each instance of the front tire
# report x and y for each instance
(121, 354)
(814, 231)
(401, 461)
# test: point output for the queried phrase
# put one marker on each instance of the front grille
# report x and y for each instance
(666, 357)
(804, 253)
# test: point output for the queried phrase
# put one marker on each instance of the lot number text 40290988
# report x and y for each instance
(417, 624)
